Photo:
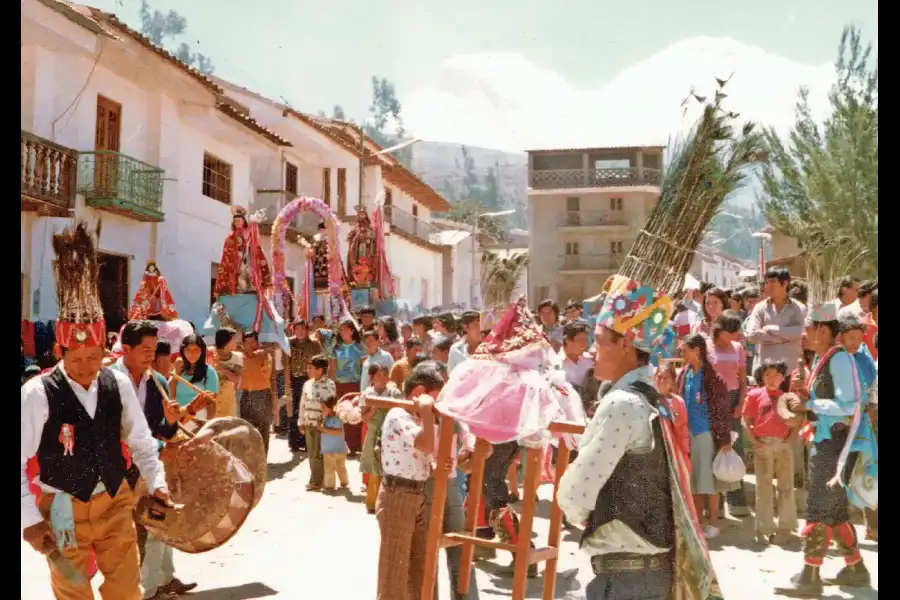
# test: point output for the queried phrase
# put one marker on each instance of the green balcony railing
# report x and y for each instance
(121, 184)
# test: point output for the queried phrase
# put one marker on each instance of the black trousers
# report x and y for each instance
(296, 439)
(825, 504)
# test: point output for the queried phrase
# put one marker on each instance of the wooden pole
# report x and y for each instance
(436, 518)
(562, 462)
(476, 484)
(532, 463)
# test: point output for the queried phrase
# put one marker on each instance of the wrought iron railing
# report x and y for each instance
(48, 171)
(117, 181)
(271, 202)
(410, 224)
(591, 262)
(593, 218)
(580, 178)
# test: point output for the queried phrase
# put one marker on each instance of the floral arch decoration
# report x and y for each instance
(335, 268)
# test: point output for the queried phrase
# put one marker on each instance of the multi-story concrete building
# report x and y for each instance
(586, 207)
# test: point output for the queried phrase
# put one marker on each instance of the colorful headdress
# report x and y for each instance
(76, 270)
(239, 211)
(823, 313)
(637, 312)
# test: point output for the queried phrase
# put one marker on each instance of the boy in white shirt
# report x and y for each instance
(317, 389)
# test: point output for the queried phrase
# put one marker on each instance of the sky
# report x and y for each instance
(315, 54)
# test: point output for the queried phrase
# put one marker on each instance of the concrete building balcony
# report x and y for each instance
(411, 226)
(586, 264)
(48, 176)
(269, 203)
(120, 184)
(551, 179)
(586, 220)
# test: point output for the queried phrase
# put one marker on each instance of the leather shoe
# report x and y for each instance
(176, 586)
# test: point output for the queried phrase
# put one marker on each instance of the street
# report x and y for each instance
(298, 544)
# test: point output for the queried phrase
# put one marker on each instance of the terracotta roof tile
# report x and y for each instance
(114, 21)
(252, 123)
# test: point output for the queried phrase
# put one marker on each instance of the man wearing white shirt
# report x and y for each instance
(471, 324)
(74, 420)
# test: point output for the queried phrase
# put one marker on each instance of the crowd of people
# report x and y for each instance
(731, 357)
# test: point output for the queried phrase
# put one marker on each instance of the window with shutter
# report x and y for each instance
(326, 186)
(290, 178)
(342, 191)
(216, 178)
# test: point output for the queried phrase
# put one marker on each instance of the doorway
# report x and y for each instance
(113, 288)
(106, 146)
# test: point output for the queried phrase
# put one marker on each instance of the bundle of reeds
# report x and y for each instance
(701, 171)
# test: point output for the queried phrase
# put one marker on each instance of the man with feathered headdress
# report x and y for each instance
(74, 419)
(629, 483)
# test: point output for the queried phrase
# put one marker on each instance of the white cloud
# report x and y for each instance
(505, 102)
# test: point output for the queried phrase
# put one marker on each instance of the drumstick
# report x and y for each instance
(189, 384)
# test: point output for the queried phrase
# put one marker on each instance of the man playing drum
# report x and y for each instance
(74, 419)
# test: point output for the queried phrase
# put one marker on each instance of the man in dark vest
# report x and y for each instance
(831, 396)
(628, 485)
(75, 419)
(139, 342)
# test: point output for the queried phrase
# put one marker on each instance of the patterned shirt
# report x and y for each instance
(349, 362)
(622, 423)
(315, 392)
(399, 457)
(301, 352)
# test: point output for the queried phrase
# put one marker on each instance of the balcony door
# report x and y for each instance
(112, 285)
(107, 137)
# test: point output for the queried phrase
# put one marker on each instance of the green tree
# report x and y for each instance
(463, 211)
(499, 278)
(160, 27)
(820, 185)
(338, 113)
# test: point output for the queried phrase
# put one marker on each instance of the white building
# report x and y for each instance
(715, 267)
(116, 128)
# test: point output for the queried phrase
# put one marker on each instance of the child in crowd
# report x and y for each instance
(162, 363)
(370, 462)
(334, 448)
(773, 456)
(229, 365)
(665, 385)
(316, 391)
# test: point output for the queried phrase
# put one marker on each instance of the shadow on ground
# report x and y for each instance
(279, 470)
(247, 591)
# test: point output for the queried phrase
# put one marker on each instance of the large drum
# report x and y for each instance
(244, 441)
(215, 490)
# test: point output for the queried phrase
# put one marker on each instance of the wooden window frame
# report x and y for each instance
(570, 246)
(291, 178)
(577, 203)
(342, 192)
(326, 186)
(616, 248)
(211, 186)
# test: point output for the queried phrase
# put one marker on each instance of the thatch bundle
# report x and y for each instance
(76, 270)
(701, 171)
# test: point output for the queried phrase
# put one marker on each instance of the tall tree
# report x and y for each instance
(464, 211)
(338, 113)
(160, 27)
(820, 185)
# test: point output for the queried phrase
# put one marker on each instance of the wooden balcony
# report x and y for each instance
(120, 184)
(594, 219)
(271, 202)
(411, 227)
(582, 264)
(594, 178)
(48, 176)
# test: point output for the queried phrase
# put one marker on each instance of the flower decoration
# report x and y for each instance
(621, 304)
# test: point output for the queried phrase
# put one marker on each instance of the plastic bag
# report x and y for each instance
(729, 467)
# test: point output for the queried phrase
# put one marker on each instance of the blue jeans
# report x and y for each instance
(638, 585)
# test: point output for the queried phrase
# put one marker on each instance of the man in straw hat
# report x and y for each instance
(74, 419)
(832, 398)
(629, 483)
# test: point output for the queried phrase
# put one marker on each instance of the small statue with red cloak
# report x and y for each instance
(153, 300)
(243, 268)
(362, 251)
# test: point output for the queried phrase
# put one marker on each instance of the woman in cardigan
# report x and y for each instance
(709, 420)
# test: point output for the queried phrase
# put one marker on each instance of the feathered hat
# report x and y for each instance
(76, 270)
